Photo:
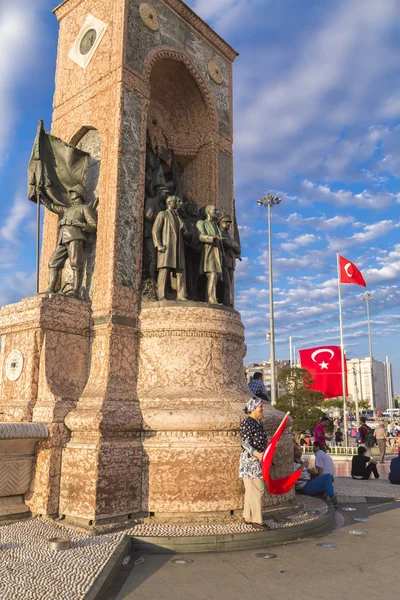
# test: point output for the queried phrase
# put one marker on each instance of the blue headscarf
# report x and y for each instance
(252, 404)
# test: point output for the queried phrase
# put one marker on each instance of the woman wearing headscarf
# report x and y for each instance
(254, 442)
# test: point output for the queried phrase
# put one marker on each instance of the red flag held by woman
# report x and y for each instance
(283, 484)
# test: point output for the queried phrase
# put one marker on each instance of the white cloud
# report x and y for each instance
(299, 242)
(369, 233)
(365, 199)
(19, 33)
(322, 223)
(20, 210)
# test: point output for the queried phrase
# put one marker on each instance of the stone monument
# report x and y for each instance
(142, 399)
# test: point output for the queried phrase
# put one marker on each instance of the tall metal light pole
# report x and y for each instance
(367, 299)
(268, 201)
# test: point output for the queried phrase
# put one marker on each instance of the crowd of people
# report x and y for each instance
(315, 480)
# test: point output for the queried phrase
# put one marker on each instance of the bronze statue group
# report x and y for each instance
(188, 253)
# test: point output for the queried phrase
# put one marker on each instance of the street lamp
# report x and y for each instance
(367, 297)
(268, 201)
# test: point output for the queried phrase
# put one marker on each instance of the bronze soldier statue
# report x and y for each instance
(76, 220)
(212, 252)
(169, 232)
(192, 250)
(232, 250)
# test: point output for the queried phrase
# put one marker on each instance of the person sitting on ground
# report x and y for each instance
(394, 473)
(323, 462)
(319, 433)
(309, 483)
(362, 465)
(258, 388)
(338, 437)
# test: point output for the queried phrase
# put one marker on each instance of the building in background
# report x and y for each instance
(265, 368)
(359, 382)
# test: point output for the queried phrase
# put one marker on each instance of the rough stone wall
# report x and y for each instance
(129, 203)
(225, 183)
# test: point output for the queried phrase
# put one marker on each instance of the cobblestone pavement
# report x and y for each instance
(29, 570)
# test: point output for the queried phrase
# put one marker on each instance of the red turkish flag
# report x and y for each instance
(325, 366)
(283, 484)
(349, 273)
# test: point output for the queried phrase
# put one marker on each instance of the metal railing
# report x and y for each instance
(393, 448)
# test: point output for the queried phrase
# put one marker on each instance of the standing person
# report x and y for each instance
(254, 442)
(319, 433)
(362, 465)
(257, 387)
(338, 437)
(365, 432)
(394, 473)
(323, 462)
(381, 439)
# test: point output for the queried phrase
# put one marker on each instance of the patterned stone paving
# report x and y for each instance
(29, 570)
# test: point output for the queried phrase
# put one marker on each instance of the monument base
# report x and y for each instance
(192, 389)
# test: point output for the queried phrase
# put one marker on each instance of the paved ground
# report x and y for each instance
(358, 567)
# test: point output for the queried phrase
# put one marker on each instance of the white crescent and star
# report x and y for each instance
(346, 268)
(323, 365)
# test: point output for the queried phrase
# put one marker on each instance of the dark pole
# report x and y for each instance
(37, 240)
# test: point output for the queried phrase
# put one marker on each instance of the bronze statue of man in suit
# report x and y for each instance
(76, 220)
(212, 252)
(169, 232)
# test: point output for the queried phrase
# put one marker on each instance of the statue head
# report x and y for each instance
(225, 222)
(77, 194)
(211, 212)
(191, 209)
(173, 202)
(162, 192)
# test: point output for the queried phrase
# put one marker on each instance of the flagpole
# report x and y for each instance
(37, 240)
(342, 348)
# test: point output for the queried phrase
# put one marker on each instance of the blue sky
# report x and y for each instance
(317, 121)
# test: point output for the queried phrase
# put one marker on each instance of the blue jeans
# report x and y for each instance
(318, 486)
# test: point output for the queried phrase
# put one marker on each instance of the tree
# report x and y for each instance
(302, 402)
(363, 404)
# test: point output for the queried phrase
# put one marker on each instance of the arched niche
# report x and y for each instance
(181, 117)
(88, 140)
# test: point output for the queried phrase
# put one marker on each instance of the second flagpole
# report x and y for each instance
(346, 439)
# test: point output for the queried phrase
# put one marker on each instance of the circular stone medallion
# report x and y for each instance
(87, 41)
(149, 16)
(14, 365)
(215, 72)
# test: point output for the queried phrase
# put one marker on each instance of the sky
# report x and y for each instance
(316, 122)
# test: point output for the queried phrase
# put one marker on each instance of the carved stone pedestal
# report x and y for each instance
(49, 336)
(192, 390)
